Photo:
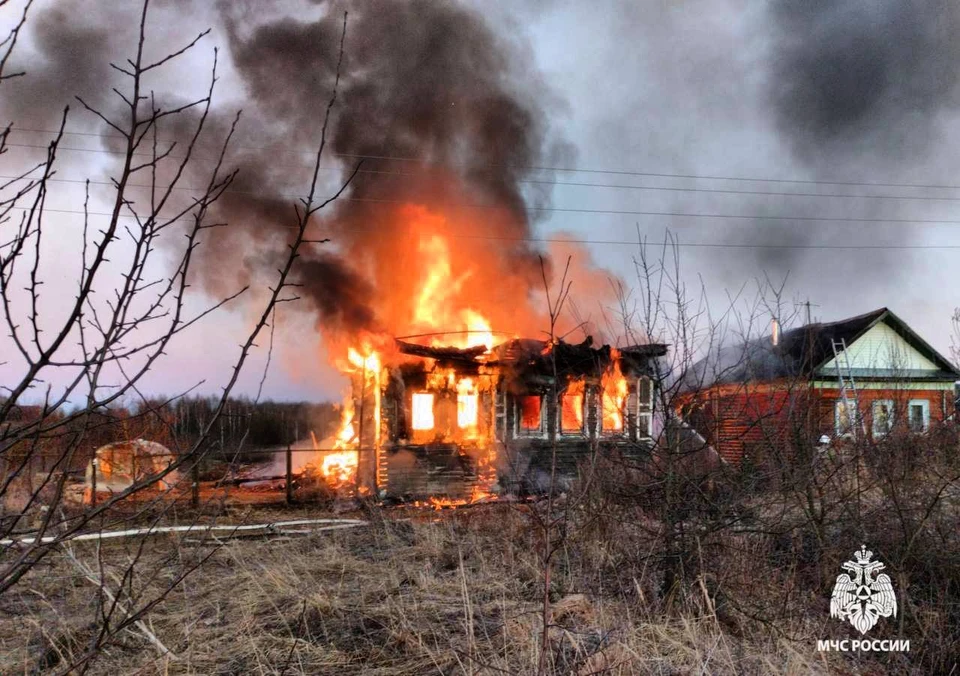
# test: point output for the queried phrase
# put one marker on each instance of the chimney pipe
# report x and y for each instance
(775, 332)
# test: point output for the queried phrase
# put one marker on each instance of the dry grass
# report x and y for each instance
(414, 593)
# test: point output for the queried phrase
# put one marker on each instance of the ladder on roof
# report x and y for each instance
(848, 386)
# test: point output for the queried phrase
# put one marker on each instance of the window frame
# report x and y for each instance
(925, 405)
(645, 408)
(891, 417)
(580, 431)
(625, 411)
(852, 426)
(522, 431)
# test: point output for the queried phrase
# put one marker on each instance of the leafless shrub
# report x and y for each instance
(128, 309)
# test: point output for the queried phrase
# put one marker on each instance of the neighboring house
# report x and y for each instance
(771, 392)
(456, 422)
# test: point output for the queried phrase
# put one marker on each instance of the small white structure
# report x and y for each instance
(120, 465)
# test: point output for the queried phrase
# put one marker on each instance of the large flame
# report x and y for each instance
(614, 397)
(443, 292)
(339, 469)
(339, 466)
(437, 309)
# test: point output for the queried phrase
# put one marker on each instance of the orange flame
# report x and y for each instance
(435, 305)
(468, 404)
(571, 407)
(614, 397)
(339, 469)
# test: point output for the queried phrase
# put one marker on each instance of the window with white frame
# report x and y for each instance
(845, 417)
(881, 414)
(644, 407)
(918, 415)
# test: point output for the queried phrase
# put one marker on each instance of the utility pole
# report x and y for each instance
(808, 305)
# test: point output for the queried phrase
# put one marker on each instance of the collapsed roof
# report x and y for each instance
(531, 356)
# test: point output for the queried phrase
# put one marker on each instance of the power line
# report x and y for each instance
(724, 191)
(630, 212)
(717, 245)
(613, 212)
(557, 240)
(678, 214)
(616, 172)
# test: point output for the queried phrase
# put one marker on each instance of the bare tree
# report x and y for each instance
(128, 309)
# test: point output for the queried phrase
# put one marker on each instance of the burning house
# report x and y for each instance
(465, 423)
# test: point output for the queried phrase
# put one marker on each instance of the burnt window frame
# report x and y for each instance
(584, 415)
(519, 429)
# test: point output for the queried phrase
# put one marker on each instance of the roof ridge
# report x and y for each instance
(873, 313)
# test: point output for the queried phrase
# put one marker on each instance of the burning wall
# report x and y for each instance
(468, 423)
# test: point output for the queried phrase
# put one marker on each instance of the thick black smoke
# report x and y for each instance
(864, 79)
(423, 80)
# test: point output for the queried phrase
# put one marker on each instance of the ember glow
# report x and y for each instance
(422, 411)
(468, 403)
(339, 469)
(571, 407)
(530, 413)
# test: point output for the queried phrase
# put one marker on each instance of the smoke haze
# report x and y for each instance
(474, 101)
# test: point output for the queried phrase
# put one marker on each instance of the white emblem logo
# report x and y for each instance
(864, 599)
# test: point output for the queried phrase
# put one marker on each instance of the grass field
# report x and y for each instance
(414, 592)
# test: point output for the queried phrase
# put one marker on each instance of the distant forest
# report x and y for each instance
(244, 427)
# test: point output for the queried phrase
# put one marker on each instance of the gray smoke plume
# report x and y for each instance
(865, 91)
(864, 79)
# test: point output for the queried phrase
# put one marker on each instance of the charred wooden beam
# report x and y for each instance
(468, 354)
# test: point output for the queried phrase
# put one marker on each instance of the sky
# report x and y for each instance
(651, 116)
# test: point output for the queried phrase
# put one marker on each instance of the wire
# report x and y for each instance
(612, 212)
(927, 198)
(717, 245)
(557, 240)
(822, 219)
(616, 172)
(629, 212)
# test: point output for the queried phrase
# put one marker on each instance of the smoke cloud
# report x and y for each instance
(864, 79)
(823, 90)
(429, 83)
